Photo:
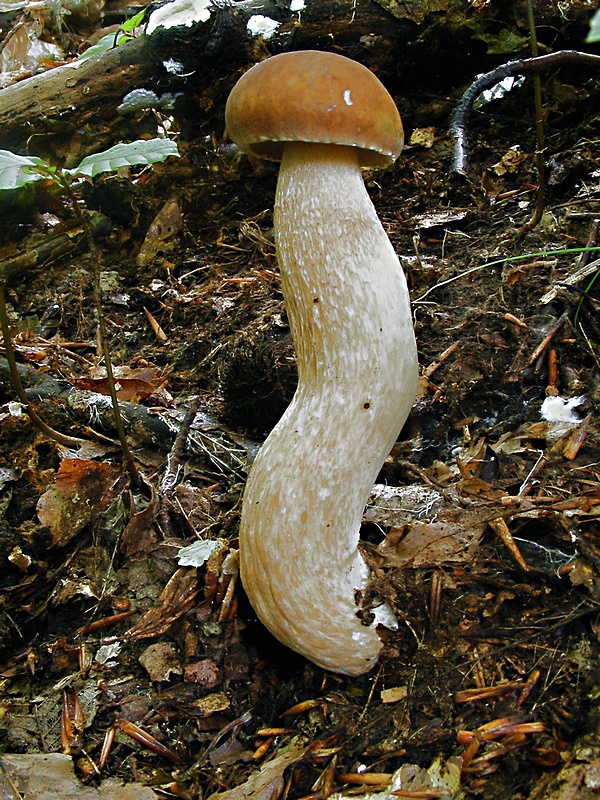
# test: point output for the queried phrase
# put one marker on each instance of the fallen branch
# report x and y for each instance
(210, 444)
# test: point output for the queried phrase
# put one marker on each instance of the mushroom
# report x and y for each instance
(324, 116)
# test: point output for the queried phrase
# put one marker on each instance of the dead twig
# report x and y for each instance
(500, 528)
(7, 777)
(171, 476)
(540, 349)
(458, 124)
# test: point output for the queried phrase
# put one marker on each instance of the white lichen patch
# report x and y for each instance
(136, 100)
(198, 553)
(259, 25)
(179, 14)
(558, 409)
(560, 415)
(173, 67)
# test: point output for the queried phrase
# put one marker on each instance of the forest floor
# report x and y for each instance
(484, 527)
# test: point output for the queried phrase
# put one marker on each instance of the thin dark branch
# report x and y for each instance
(128, 458)
(540, 160)
(458, 124)
(174, 466)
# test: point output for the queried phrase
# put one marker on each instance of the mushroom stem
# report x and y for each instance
(349, 313)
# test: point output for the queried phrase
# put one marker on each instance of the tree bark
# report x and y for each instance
(73, 100)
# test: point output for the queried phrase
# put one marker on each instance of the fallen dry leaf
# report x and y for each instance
(161, 233)
(176, 599)
(48, 776)
(267, 782)
(75, 498)
(427, 528)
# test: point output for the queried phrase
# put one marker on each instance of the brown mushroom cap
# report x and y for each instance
(313, 96)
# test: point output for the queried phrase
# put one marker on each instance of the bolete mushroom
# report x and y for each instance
(324, 116)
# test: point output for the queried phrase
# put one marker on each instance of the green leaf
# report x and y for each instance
(114, 40)
(134, 22)
(16, 171)
(126, 155)
(102, 45)
(594, 34)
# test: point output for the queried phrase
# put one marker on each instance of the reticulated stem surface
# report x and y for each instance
(349, 313)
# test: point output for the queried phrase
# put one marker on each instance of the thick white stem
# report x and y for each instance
(349, 314)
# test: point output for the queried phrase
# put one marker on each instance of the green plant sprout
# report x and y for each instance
(506, 260)
(124, 34)
(594, 34)
(17, 171)
(585, 293)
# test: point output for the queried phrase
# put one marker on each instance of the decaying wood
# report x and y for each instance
(75, 105)
(70, 111)
(73, 99)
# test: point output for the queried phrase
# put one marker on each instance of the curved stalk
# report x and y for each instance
(130, 464)
(350, 319)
